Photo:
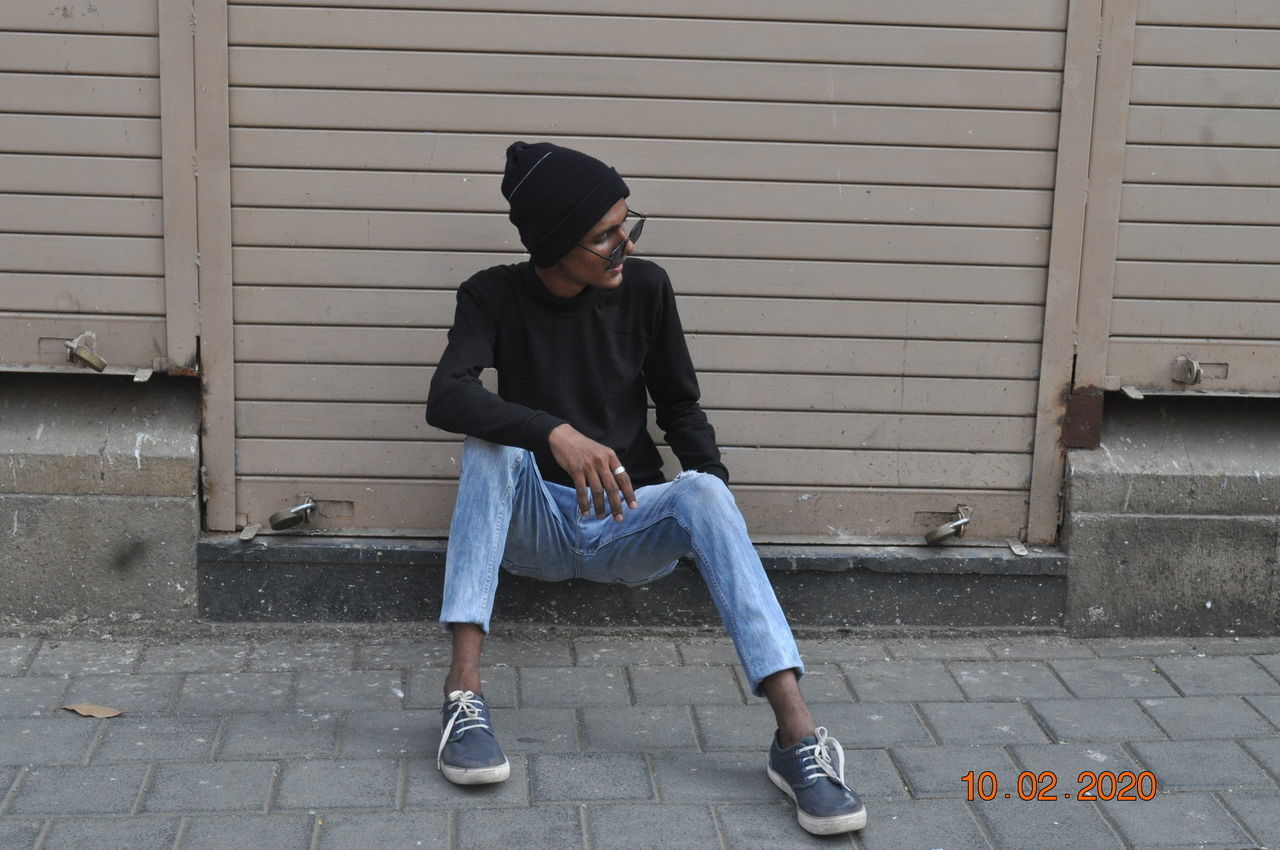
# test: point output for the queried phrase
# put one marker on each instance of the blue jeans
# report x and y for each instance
(506, 515)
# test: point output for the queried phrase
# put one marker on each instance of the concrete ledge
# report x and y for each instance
(1172, 522)
(85, 436)
(99, 510)
(299, 579)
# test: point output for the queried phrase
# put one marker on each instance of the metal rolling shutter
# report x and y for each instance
(81, 248)
(1198, 252)
(853, 200)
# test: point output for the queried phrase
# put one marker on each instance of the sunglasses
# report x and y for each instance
(615, 256)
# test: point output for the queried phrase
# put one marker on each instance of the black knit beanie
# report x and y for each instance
(556, 194)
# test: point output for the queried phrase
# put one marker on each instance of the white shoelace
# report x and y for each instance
(467, 716)
(816, 758)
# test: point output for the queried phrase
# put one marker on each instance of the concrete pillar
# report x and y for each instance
(99, 497)
(1171, 525)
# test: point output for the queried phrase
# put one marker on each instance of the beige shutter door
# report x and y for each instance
(1197, 272)
(853, 200)
(81, 219)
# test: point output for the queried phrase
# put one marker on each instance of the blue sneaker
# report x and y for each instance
(469, 753)
(804, 772)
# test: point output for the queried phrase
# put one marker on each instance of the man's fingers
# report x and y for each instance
(580, 484)
(597, 493)
(615, 498)
(627, 492)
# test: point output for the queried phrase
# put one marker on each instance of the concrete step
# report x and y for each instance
(317, 579)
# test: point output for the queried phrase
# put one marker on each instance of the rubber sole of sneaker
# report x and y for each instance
(476, 775)
(833, 825)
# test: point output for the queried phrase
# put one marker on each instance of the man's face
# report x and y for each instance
(582, 267)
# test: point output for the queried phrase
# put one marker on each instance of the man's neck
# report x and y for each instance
(557, 284)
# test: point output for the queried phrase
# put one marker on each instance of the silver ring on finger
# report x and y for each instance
(619, 471)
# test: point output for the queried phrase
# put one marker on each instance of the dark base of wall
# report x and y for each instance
(370, 580)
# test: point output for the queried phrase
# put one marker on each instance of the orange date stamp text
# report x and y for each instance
(1103, 785)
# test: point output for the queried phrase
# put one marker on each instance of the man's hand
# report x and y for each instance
(591, 466)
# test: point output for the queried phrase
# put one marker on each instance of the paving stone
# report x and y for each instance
(1268, 706)
(14, 655)
(707, 652)
(1196, 765)
(1260, 814)
(982, 723)
(685, 777)
(871, 774)
(28, 696)
(559, 687)
(557, 777)
(938, 771)
(854, 725)
(769, 827)
(922, 824)
(349, 690)
(1039, 648)
(1238, 645)
(638, 728)
(523, 652)
(1139, 647)
(215, 693)
(83, 658)
(302, 655)
(426, 687)
(939, 650)
(279, 735)
(194, 658)
(138, 694)
(1267, 752)
(1047, 824)
(629, 827)
(1002, 680)
(276, 832)
(821, 683)
(1176, 820)
(1113, 677)
(685, 686)
(531, 730)
(114, 833)
(1203, 676)
(841, 651)
(404, 655)
(902, 681)
(107, 789)
(218, 787)
(544, 826)
(594, 652)
(1271, 663)
(390, 830)
(388, 734)
(1081, 720)
(1066, 762)
(338, 784)
(1186, 718)
(19, 835)
(428, 789)
(45, 740)
(157, 738)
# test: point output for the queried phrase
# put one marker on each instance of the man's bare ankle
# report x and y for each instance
(461, 683)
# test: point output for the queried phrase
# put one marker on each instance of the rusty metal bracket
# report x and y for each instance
(1082, 425)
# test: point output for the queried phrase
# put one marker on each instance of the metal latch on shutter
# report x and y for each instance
(954, 528)
(79, 352)
(290, 517)
(1189, 371)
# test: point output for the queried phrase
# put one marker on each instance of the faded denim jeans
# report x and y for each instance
(507, 516)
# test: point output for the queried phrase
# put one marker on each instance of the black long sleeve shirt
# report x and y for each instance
(586, 360)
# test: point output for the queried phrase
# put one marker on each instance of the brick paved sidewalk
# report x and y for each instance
(629, 743)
